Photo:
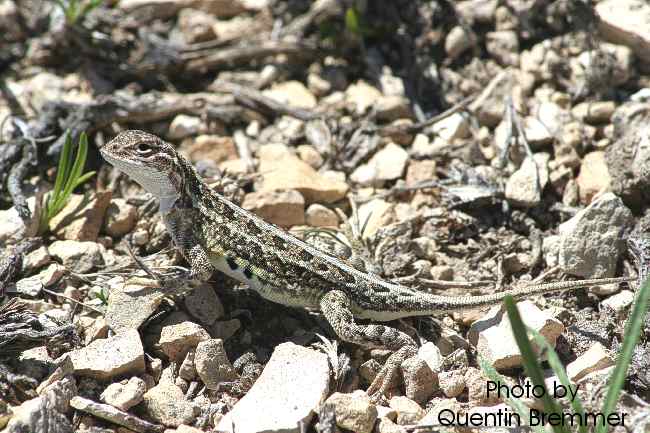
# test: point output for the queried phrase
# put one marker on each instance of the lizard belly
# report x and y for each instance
(246, 275)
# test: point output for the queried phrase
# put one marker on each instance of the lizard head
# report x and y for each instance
(148, 160)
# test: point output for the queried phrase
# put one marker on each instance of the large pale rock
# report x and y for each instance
(591, 242)
(354, 411)
(282, 170)
(81, 217)
(77, 256)
(284, 208)
(594, 176)
(493, 338)
(131, 303)
(212, 363)
(291, 388)
(594, 359)
(292, 93)
(166, 404)
(110, 357)
(387, 164)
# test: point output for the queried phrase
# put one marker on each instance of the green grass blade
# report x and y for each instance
(559, 370)
(84, 178)
(631, 337)
(514, 403)
(77, 168)
(531, 364)
(65, 160)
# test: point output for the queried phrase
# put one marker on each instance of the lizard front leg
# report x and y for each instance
(181, 223)
(335, 306)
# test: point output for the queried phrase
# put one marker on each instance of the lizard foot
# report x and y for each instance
(388, 374)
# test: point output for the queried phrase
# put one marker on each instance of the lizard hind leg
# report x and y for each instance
(335, 306)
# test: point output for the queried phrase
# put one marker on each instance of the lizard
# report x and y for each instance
(213, 233)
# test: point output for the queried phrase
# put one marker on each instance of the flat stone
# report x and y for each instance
(291, 388)
(318, 215)
(81, 217)
(131, 303)
(177, 339)
(310, 155)
(593, 177)
(625, 22)
(458, 40)
(204, 304)
(452, 383)
(590, 242)
(283, 170)
(183, 126)
(450, 128)
(493, 338)
(594, 359)
(36, 259)
(120, 217)
(387, 164)
(114, 415)
(354, 411)
(389, 108)
(110, 357)
(212, 364)
(594, 112)
(620, 301)
(430, 353)
(378, 212)
(523, 186)
(166, 404)
(292, 93)
(284, 208)
(126, 394)
(408, 411)
(210, 147)
(79, 256)
(362, 96)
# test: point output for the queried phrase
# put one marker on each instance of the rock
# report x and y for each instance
(291, 388)
(225, 329)
(389, 108)
(387, 164)
(204, 304)
(176, 339)
(594, 359)
(196, 25)
(120, 217)
(594, 176)
(353, 411)
(166, 404)
(477, 383)
(116, 416)
(503, 46)
(131, 303)
(210, 148)
(10, 26)
(125, 394)
(430, 353)
(292, 93)
(30, 286)
(452, 383)
(523, 186)
(625, 22)
(450, 128)
(183, 126)
(81, 217)
(590, 242)
(481, 11)
(283, 170)
(420, 171)
(458, 40)
(378, 212)
(284, 208)
(310, 155)
(408, 411)
(437, 407)
(36, 259)
(187, 370)
(492, 335)
(212, 364)
(318, 215)
(594, 112)
(362, 96)
(110, 357)
(442, 272)
(82, 257)
(620, 301)
(420, 382)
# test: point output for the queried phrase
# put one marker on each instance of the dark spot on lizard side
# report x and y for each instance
(248, 273)
(306, 255)
(231, 263)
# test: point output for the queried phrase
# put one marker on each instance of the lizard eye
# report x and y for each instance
(143, 149)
